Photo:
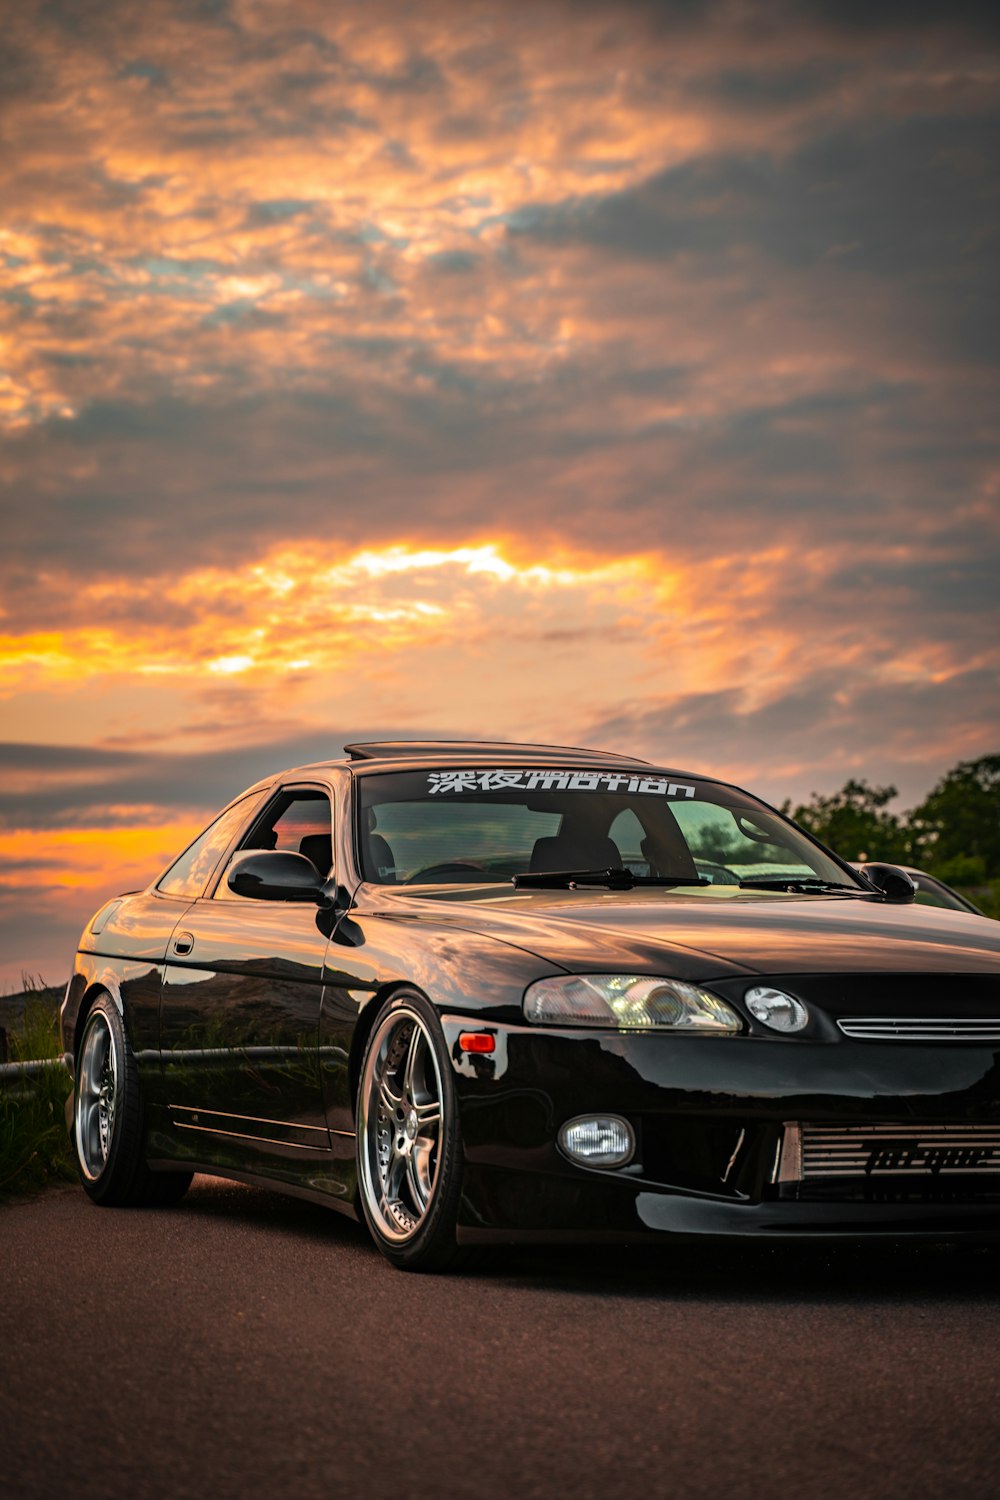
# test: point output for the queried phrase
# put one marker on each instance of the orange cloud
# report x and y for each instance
(474, 633)
(92, 861)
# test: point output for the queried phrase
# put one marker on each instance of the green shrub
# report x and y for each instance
(34, 1146)
(986, 897)
(961, 870)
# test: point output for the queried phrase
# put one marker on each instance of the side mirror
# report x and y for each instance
(890, 881)
(276, 875)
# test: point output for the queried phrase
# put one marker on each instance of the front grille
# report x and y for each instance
(878, 1151)
(919, 1029)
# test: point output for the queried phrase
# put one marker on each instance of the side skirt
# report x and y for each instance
(344, 1206)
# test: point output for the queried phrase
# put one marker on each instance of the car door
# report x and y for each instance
(240, 1006)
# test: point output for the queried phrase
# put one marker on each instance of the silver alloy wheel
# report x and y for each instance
(96, 1096)
(400, 1125)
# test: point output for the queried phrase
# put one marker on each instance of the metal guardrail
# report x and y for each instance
(18, 1070)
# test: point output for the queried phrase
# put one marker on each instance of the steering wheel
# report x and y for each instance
(448, 867)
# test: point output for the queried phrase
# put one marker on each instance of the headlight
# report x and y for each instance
(776, 1009)
(628, 1002)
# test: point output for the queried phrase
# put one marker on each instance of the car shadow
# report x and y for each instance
(882, 1271)
(220, 1197)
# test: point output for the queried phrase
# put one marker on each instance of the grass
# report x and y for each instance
(34, 1146)
(986, 897)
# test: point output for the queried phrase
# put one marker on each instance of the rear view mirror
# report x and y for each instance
(276, 875)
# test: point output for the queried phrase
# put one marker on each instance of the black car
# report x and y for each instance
(486, 992)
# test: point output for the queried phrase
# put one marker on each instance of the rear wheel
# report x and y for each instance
(409, 1148)
(108, 1119)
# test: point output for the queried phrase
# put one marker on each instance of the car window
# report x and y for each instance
(299, 821)
(627, 834)
(730, 844)
(466, 840)
(189, 875)
(930, 893)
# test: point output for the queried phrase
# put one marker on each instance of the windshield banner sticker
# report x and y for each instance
(571, 781)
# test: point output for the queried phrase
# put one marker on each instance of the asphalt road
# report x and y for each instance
(248, 1345)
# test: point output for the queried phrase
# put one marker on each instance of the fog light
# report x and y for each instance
(598, 1141)
(776, 1009)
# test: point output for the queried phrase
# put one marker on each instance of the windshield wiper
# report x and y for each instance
(800, 883)
(616, 879)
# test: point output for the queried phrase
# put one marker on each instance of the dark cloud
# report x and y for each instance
(49, 758)
(908, 17)
(20, 74)
(454, 262)
(38, 938)
(763, 87)
(885, 198)
(80, 786)
(148, 72)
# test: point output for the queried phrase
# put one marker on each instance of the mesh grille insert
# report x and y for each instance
(874, 1151)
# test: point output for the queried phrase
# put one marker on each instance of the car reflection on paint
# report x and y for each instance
(475, 992)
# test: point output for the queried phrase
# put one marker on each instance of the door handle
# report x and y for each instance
(183, 943)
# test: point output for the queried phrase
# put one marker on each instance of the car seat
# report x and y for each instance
(319, 848)
(378, 857)
(575, 851)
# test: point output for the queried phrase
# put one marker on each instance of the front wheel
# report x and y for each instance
(409, 1147)
(108, 1119)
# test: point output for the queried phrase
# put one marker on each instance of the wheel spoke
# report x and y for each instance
(428, 1114)
(416, 1039)
(90, 1129)
(393, 1179)
(424, 1170)
(417, 1189)
(92, 1065)
(390, 1100)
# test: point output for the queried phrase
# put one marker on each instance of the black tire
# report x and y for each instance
(108, 1124)
(409, 1163)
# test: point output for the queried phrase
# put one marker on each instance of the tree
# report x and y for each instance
(855, 824)
(961, 817)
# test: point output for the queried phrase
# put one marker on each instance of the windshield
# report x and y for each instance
(459, 826)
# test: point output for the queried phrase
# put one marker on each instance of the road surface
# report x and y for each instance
(249, 1345)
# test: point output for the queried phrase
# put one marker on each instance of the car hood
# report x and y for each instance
(701, 936)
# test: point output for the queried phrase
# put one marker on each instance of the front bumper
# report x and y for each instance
(712, 1117)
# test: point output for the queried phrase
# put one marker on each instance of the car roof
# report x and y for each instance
(367, 757)
(478, 749)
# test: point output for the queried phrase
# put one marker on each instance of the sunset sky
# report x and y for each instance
(621, 375)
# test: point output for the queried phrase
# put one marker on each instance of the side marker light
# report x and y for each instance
(477, 1041)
